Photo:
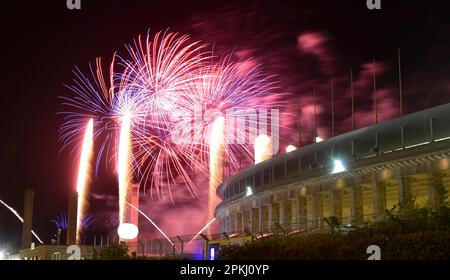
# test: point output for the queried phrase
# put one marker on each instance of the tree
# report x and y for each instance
(333, 223)
(113, 252)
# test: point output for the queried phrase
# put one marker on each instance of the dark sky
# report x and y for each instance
(303, 42)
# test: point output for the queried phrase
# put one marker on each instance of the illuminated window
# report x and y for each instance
(56, 256)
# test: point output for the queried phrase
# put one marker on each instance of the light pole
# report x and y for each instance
(58, 237)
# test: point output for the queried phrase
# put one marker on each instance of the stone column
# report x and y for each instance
(265, 218)
(222, 224)
(269, 215)
(287, 215)
(224, 228)
(356, 204)
(233, 219)
(294, 211)
(336, 204)
(275, 215)
(246, 220)
(379, 197)
(302, 215)
(317, 209)
(239, 226)
(281, 206)
(433, 189)
(404, 187)
(255, 217)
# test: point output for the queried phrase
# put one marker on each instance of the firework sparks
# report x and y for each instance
(91, 100)
(203, 228)
(217, 139)
(159, 71)
(151, 221)
(20, 218)
(166, 82)
(84, 177)
(225, 89)
(124, 172)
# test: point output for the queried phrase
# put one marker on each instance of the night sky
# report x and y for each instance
(304, 43)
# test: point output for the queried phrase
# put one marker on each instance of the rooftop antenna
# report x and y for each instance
(353, 101)
(315, 113)
(332, 108)
(299, 122)
(400, 82)
(375, 92)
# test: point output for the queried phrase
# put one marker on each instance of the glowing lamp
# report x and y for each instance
(263, 148)
(338, 166)
(249, 191)
(127, 231)
(290, 148)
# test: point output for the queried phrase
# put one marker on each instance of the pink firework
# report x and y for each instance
(170, 90)
(91, 99)
(239, 94)
(223, 110)
(157, 72)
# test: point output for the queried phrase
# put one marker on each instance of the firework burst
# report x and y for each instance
(84, 175)
(158, 72)
(156, 114)
(20, 218)
(239, 95)
(61, 221)
(91, 99)
(221, 112)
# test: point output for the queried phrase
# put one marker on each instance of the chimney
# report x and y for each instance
(72, 219)
(27, 219)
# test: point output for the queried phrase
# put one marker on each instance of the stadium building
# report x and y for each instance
(355, 177)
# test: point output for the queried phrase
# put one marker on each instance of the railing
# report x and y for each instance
(303, 226)
(192, 246)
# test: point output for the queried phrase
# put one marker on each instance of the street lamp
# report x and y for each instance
(249, 191)
(338, 166)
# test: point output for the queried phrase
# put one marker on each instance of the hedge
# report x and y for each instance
(423, 245)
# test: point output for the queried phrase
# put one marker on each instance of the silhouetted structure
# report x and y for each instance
(72, 219)
(27, 219)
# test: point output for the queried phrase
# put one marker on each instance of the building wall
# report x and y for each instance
(359, 202)
(384, 164)
(55, 252)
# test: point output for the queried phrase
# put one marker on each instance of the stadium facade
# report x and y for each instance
(355, 177)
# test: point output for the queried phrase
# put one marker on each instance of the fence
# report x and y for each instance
(192, 246)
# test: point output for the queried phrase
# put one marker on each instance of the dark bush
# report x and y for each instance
(112, 252)
(424, 245)
(407, 232)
